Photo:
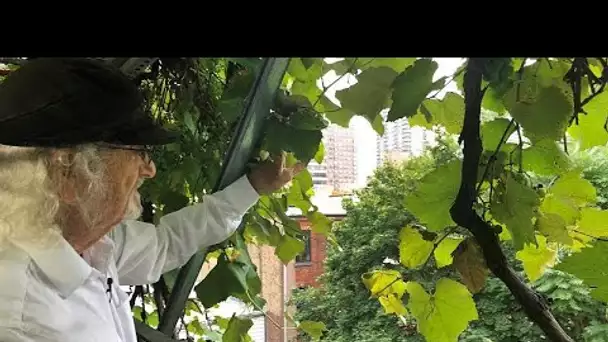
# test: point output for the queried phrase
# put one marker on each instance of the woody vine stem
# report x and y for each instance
(463, 214)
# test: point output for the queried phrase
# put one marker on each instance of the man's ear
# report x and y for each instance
(62, 175)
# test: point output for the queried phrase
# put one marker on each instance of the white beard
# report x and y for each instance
(134, 208)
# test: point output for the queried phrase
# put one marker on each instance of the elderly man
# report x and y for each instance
(71, 161)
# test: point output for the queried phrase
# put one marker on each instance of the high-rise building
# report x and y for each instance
(396, 142)
(338, 169)
(340, 158)
(318, 173)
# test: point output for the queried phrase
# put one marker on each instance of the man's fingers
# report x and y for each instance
(299, 167)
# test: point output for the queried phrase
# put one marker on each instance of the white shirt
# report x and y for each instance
(54, 295)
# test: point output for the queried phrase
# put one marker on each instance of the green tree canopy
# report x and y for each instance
(370, 234)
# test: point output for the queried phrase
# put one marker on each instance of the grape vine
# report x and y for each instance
(516, 119)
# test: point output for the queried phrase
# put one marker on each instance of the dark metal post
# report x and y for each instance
(258, 105)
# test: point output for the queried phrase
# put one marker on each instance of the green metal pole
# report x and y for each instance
(259, 103)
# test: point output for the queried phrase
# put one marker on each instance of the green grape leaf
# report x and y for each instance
(307, 72)
(297, 198)
(320, 155)
(230, 105)
(493, 102)
(414, 250)
(579, 190)
(470, 264)
(307, 120)
(432, 199)
(288, 248)
(229, 278)
(302, 143)
(514, 205)
(443, 252)
(563, 207)
(536, 259)
(447, 112)
(411, 87)
(443, 316)
(542, 113)
(319, 222)
(339, 67)
(370, 94)
(334, 113)
(493, 131)
(397, 64)
(589, 265)
(590, 130)
(308, 90)
(553, 226)
(237, 330)
(313, 328)
(544, 157)
(566, 195)
(378, 125)
(594, 222)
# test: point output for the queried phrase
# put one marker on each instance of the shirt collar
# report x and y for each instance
(58, 260)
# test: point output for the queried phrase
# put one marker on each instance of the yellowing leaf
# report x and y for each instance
(536, 259)
(514, 204)
(384, 282)
(413, 249)
(445, 315)
(392, 305)
(411, 87)
(594, 222)
(370, 94)
(443, 252)
(388, 287)
(470, 264)
(432, 199)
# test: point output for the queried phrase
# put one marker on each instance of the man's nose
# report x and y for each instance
(147, 170)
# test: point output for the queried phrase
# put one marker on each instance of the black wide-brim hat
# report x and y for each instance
(58, 102)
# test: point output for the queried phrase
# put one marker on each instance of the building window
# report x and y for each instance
(304, 257)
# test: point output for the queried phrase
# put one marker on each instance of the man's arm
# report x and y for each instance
(144, 251)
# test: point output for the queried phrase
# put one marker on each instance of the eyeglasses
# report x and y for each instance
(143, 151)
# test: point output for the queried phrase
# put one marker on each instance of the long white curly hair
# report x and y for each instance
(29, 201)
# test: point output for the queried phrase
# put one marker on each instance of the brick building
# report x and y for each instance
(278, 279)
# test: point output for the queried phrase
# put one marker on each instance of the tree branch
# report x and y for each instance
(463, 214)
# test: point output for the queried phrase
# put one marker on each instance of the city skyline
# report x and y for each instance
(365, 144)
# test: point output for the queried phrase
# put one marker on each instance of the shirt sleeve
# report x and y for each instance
(144, 251)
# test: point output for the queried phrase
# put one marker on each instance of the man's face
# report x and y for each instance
(127, 170)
